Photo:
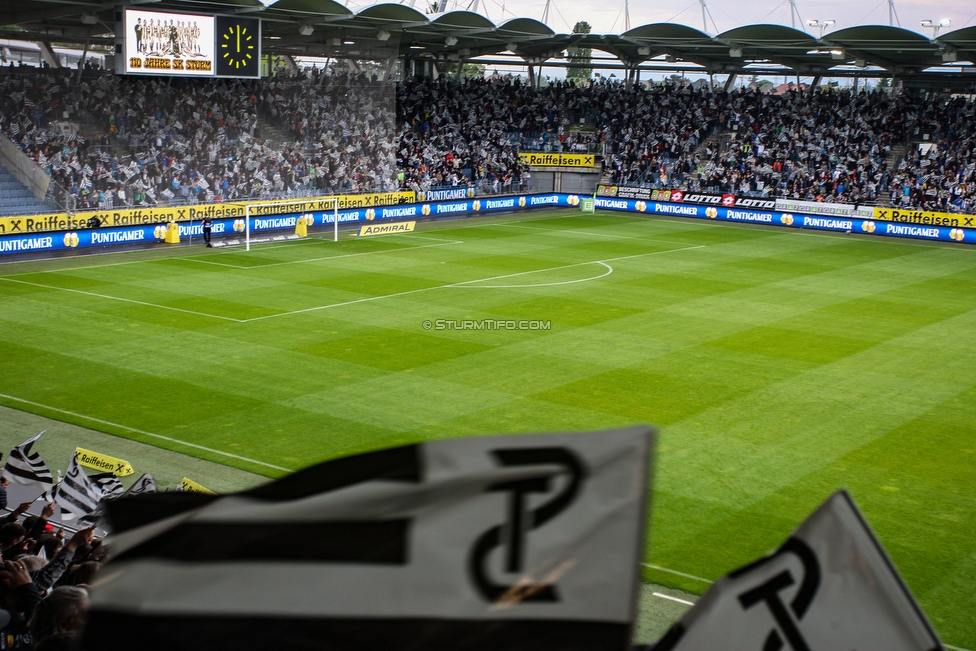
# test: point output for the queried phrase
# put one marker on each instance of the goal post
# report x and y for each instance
(284, 204)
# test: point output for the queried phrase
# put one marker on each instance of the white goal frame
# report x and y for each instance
(292, 202)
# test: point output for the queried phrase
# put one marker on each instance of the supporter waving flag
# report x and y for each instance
(75, 494)
(25, 466)
(829, 586)
(473, 544)
(106, 485)
(145, 484)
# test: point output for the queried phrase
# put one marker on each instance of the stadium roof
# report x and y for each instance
(386, 30)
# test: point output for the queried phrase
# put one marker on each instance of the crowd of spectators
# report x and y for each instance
(186, 140)
(45, 576)
(183, 140)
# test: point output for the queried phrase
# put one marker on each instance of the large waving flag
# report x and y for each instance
(475, 544)
(75, 494)
(26, 467)
(107, 486)
(145, 484)
(829, 586)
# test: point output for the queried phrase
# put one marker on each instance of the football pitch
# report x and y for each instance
(779, 366)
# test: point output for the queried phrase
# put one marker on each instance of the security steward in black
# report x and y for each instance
(207, 226)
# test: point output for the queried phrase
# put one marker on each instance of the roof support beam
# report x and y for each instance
(48, 55)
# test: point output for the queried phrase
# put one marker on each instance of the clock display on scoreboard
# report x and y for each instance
(238, 46)
(166, 43)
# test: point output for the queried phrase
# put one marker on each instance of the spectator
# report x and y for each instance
(63, 611)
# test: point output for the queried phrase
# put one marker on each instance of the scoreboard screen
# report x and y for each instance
(166, 43)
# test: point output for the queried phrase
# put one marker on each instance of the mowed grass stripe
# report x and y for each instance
(780, 365)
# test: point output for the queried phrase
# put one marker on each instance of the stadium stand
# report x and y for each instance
(145, 141)
(15, 197)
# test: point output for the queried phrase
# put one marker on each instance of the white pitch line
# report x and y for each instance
(461, 284)
(687, 576)
(191, 258)
(355, 301)
(954, 648)
(145, 433)
(618, 237)
(565, 282)
(670, 598)
(125, 300)
(327, 257)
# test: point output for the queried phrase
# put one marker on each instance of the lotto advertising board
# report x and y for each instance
(791, 220)
(166, 43)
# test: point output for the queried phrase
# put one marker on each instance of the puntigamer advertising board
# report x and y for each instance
(389, 207)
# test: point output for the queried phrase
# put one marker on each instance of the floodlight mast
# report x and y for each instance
(893, 14)
(705, 11)
(794, 14)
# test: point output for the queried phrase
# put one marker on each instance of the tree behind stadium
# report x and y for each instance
(580, 55)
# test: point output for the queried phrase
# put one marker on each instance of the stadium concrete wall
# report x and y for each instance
(150, 234)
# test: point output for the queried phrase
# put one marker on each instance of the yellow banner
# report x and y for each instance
(386, 229)
(190, 486)
(924, 217)
(145, 216)
(103, 462)
(557, 160)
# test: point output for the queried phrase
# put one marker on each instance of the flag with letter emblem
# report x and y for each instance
(75, 494)
(26, 467)
(829, 586)
(145, 484)
(474, 544)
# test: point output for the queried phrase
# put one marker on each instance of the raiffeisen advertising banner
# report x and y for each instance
(154, 233)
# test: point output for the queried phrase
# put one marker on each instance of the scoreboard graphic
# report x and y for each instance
(177, 44)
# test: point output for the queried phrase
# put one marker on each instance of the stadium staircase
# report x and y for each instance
(272, 135)
(894, 157)
(15, 198)
(721, 138)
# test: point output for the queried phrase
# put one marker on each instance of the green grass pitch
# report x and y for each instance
(780, 365)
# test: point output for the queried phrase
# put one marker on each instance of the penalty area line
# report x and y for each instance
(124, 300)
(670, 598)
(323, 258)
(669, 571)
(467, 284)
(145, 433)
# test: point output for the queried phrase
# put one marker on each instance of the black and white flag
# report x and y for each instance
(107, 486)
(145, 484)
(482, 543)
(26, 467)
(829, 586)
(75, 494)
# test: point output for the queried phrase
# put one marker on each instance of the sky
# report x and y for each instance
(607, 16)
